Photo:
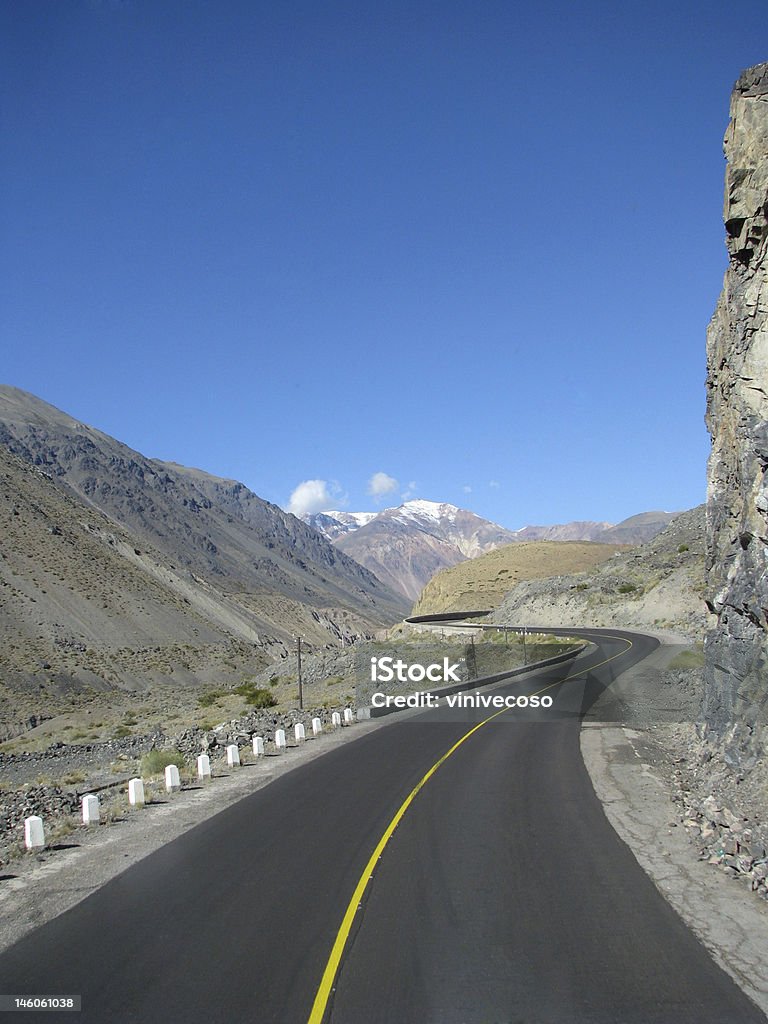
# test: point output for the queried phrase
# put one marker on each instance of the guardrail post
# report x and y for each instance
(280, 743)
(204, 767)
(34, 833)
(91, 810)
(335, 719)
(348, 716)
(317, 726)
(172, 778)
(299, 732)
(136, 793)
(258, 746)
(233, 755)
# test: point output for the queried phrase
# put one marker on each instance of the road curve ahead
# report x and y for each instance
(501, 895)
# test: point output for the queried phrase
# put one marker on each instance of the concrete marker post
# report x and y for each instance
(299, 732)
(258, 746)
(136, 796)
(233, 755)
(91, 810)
(34, 833)
(280, 743)
(335, 719)
(348, 716)
(317, 726)
(172, 779)
(204, 767)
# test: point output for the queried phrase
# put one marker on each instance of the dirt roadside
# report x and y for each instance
(41, 886)
(631, 780)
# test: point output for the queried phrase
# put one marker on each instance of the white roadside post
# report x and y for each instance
(203, 767)
(317, 726)
(258, 746)
(34, 833)
(299, 732)
(172, 779)
(233, 755)
(335, 719)
(280, 743)
(91, 811)
(136, 793)
(348, 716)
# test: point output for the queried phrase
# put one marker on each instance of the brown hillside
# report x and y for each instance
(482, 582)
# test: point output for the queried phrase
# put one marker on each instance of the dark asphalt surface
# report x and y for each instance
(503, 896)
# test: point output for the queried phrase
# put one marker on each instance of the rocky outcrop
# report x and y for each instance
(736, 693)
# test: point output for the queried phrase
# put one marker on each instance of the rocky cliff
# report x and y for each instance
(736, 694)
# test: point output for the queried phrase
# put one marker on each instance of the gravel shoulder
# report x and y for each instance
(41, 886)
(629, 768)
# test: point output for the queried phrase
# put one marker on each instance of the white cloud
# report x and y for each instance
(410, 490)
(493, 483)
(381, 484)
(313, 496)
(467, 489)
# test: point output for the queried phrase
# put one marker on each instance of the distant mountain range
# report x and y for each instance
(406, 546)
(637, 529)
(118, 569)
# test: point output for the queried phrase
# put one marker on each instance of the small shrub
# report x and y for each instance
(582, 586)
(256, 696)
(156, 761)
(210, 697)
(682, 548)
(627, 588)
(121, 731)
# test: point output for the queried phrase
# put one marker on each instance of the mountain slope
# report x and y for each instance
(333, 525)
(659, 585)
(83, 609)
(483, 582)
(242, 563)
(637, 529)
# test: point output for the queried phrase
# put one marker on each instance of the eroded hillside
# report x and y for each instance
(483, 582)
(658, 585)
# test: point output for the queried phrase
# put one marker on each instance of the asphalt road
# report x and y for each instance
(502, 896)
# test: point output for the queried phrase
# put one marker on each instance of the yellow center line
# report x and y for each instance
(320, 1004)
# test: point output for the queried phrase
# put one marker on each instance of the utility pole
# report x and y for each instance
(298, 662)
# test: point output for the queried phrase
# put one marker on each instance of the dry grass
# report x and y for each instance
(482, 582)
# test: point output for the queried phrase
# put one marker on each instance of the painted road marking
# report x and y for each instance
(320, 1004)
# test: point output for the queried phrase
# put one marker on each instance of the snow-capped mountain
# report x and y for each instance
(407, 545)
(336, 524)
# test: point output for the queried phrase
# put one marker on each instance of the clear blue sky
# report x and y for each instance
(464, 245)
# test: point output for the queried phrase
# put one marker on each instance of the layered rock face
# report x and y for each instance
(736, 693)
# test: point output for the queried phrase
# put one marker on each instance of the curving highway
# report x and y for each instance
(450, 867)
